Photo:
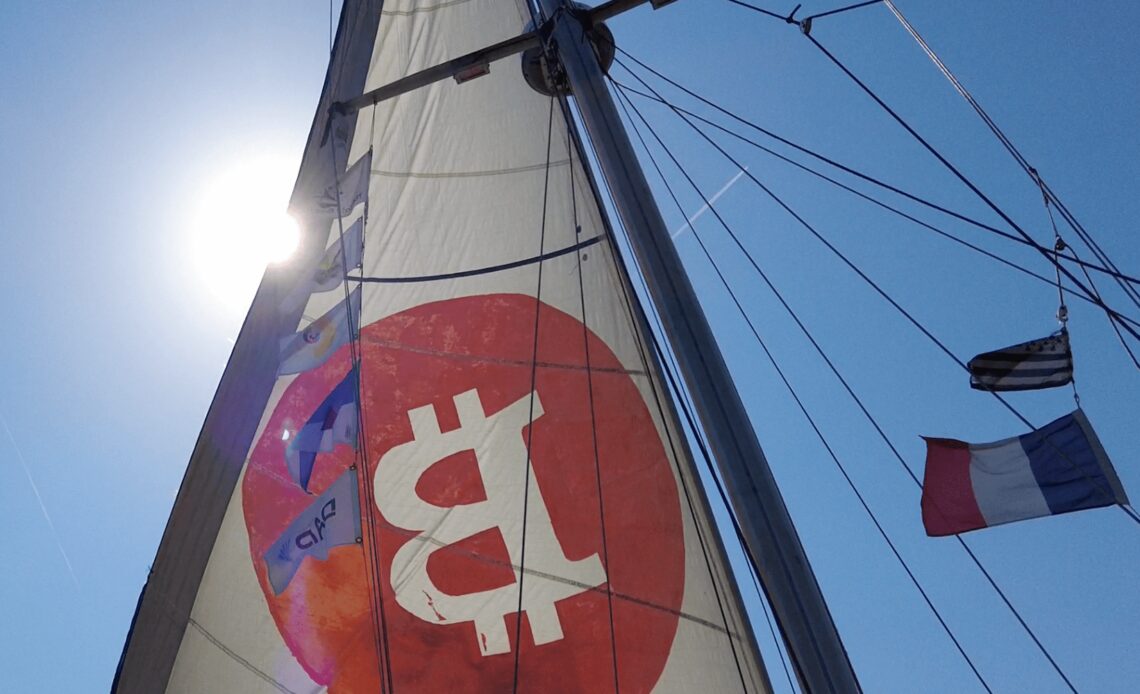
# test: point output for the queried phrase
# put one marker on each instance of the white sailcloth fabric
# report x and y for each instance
(530, 518)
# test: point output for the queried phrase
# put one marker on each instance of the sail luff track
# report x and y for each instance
(164, 608)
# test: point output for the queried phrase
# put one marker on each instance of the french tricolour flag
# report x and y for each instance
(1058, 468)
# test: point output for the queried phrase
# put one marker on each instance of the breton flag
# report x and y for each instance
(332, 520)
(1058, 468)
(346, 253)
(353, 188)
(310, 347)
(333, 422)
(1043, 363)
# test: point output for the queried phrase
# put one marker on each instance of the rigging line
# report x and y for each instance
(848, 8)
(898, 307)
(1084, 235)
(960, 176)
(550, 255)
(669, 366)
(857, 193)
(530, 417)
(769, 13)
(1128, 511)
(672, 370)
(360, 457)
(593, 412)
(1007, 143)
(795, 395)
(675, 457)
(1115, 329)
(842, 167)
(681, 398)
(771, 629)
(1062, 312)
(639, 324)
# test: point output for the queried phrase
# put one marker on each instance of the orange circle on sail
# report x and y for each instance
(449, 410)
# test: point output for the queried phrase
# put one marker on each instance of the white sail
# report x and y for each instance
(518, 456)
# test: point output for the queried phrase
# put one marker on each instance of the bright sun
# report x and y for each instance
(240, 225)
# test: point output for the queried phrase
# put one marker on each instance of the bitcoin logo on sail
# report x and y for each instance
(446, 393)
(501, 453)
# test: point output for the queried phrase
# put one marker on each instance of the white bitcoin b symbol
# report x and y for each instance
(501, 454)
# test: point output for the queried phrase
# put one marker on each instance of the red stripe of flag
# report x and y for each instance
(948, 503)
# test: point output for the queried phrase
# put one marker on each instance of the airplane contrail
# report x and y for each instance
(28, 473)
(705, 207)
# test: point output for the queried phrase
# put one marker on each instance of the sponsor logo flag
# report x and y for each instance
(352, 187)
(343, 254)
(1058, 468)
(334, 422)
(1044, 363)
(310, 347)
(332, 520)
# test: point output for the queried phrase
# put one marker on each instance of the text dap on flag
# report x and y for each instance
(1058, 468)
(1044, 363)
(332, 520)
(468, 444)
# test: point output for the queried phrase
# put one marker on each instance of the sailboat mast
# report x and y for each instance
(820, 659)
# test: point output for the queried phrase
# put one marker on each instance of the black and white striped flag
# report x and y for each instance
(1044, 363)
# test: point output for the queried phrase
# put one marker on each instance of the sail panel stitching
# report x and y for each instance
(585, 587)
(487, 359)
(423, 10)
(467, 174)
(226, 650)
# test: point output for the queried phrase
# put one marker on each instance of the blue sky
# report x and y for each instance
(117, 117)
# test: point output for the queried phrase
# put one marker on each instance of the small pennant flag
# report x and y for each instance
(332, 520)
(352, 188)
(334, 422)
(312, 346)
(1058, 468)
(1044, 363)
(346, 252)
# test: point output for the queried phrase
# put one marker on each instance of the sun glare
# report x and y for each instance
(240, 226)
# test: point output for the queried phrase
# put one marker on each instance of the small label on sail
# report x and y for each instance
(333, 422)
(350, 190)
(1058, 468)
(330, 521)
(1044, 363)
(312, 346)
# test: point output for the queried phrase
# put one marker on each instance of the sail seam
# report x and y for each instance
(237, 658)
(392, 344)
(468, 174)
(422, 10)
(586, 587)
